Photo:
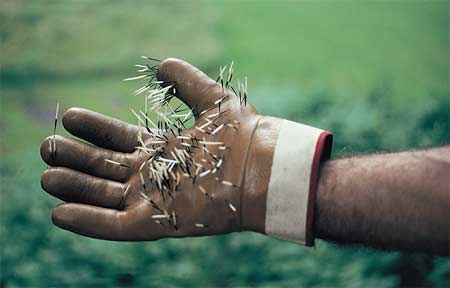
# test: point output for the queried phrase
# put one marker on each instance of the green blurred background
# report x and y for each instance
(374, 73)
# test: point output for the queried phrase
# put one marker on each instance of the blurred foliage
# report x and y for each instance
(374, 73)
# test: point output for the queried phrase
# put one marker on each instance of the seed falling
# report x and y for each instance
(124, 195)
(52, 142)
(55, 124)
(142, 165)
(231, 206)
(200, 187)
(145, 149)
(151, 58)
(203, 174)
(183, 137)
(217, 129)
(50, 146)
(228, 183)
(136, 78)
(174, 218)
(210, 143)
(141, 177)
(116, 163)
(200, 129)
(150, 202)
(160, 216)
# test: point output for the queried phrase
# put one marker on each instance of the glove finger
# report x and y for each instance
(101, 130)
(110, 224)
(73, 186)
(91, 221)
(67, 152)
(192, 86)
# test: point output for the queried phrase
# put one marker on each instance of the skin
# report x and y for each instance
(389, 201)
(396, 207)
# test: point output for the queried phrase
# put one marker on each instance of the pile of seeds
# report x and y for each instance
(164, 168)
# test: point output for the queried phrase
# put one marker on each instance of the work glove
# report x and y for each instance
(233, 170)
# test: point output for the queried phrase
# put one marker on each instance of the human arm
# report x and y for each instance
(117, 202)
(395, 201)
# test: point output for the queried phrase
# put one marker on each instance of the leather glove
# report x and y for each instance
(220, 179)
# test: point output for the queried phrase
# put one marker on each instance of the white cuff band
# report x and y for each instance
(290, 197)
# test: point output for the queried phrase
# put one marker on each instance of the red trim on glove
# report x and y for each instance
(321, 154)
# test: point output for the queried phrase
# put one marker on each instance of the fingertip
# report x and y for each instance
(89, 221)
(168, 70)
(193, 87)
(53, 180)
(62, 216)
(169, 60)
(167, 65)
(69, 216)
(49, 148)
(45, 176)
(45, 149)
(71, 116)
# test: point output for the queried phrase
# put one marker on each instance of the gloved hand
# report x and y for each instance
(219, 185)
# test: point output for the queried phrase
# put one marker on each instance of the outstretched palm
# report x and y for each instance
(139, 184)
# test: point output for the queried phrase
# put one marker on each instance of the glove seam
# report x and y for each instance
(245, 171)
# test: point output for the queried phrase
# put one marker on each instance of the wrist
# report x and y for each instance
(257, 173)
(281, 178)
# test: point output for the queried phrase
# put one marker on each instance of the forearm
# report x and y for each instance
(390, 201)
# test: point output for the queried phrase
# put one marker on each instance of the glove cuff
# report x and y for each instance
(292, 187)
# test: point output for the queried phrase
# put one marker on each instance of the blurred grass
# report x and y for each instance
(374, 73)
